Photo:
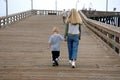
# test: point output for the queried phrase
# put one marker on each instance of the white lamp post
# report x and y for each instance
(6, 12)
(76, 3)
(31, 4)
(56, 5)
(106, 5)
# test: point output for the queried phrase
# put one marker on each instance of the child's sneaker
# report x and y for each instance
(53, 64)
(70, 62)
(56, 63)
(57, 59)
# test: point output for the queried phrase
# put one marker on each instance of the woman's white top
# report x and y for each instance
(73, 29)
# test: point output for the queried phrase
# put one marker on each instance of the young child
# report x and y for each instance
(54, 44)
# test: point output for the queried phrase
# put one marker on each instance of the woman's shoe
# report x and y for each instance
(70, 62)
(73, 64)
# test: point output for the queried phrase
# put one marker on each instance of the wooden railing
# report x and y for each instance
(94, 13)
(109, 34)
(47, 12)
(5, 21)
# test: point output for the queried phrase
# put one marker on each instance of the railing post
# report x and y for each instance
(0, 23)
(117, 40)
(111, 37)
(118, 21)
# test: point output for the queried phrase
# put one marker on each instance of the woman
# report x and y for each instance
(72, 35)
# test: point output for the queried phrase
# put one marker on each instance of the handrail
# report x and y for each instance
(4, 21)
(14, 18)
(93, 13)
(108, 33)
(47, 12)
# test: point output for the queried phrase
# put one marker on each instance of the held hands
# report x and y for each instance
(65, 39)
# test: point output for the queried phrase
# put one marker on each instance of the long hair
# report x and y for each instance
(74, 17)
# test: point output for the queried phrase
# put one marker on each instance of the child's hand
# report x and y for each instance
(48, 46)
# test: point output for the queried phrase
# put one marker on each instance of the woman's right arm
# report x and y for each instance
(66, 32)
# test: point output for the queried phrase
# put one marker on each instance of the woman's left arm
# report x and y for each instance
(66, 31)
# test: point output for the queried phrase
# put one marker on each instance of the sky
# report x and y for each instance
(16, 6)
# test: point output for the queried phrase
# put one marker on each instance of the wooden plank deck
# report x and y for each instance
(24, 54)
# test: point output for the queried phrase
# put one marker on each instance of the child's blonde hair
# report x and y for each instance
(55, 29)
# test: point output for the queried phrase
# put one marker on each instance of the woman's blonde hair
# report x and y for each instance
(55, 29)
(74, 17)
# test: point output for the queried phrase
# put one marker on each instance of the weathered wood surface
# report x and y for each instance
(24, 54)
